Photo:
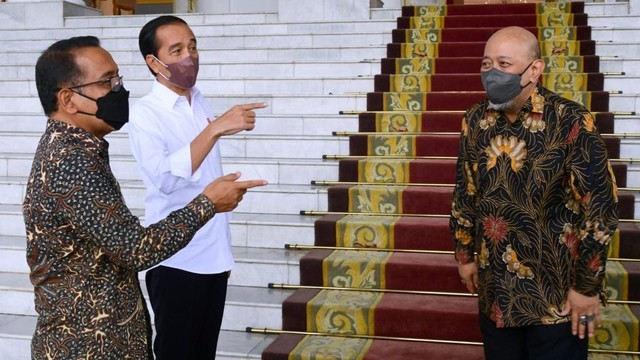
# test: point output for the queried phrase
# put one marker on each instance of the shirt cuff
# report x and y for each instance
(180, 163)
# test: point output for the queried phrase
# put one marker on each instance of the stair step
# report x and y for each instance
(247, 229)
(254, 266)
(266, 124)
(124, 167)
(388, 314)
(231, 70)
(269, 199)
(348, 348)
(299, 85)
(245, 306)
(128, 42)
(242, 145)
(16, 332)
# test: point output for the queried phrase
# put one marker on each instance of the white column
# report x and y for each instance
(185, 6)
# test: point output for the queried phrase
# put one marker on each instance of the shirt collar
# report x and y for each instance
(76, 134)
(535, 103)
(168, 97)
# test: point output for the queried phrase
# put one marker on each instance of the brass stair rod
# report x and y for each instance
(415, 251)
(361, 93)
(355, 157)
(398, 291)
(332, 183)
(315, 247)
(394, 291)
(267, 331)
(357, 112)
(321, 213)
(339, 157)
(350, 133)
(368, 337)
(450, 133)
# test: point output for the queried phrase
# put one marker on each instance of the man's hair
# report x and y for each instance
(535, 52)
(147, 39)
(57, 68)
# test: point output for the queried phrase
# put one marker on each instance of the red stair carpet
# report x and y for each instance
(385, 285)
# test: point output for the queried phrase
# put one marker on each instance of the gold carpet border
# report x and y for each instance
(355, 269)
(410, 82)
(383, 199)
(401, 101)
(547, 48)
(366, 231)
(388, 145)
(619, 329)
(553, 7)
(417, 101)
(555, 81)
(327, 347)
(545, 19)
(426, 65)
(614, 245)
(595, 356)
(617, 281)
(384, 171)
(399, 122)
(342, 312)
(434, 35)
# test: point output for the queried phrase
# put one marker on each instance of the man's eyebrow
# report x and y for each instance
(178, 44)
(109, 73)
(174, 46)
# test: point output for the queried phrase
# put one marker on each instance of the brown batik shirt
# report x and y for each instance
(535, 206)
(85, 249)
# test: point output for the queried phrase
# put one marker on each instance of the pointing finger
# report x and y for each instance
(247, 184)
(252, 106)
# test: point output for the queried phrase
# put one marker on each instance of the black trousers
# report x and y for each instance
(538, 342)
(188, 311)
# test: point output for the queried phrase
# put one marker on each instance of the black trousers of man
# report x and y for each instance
(539, 342)
(188, 311)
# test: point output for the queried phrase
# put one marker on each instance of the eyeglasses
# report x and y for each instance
(115, 81)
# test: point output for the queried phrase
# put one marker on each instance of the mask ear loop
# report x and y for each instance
(163, 64)
(524, 71)
(87, 97)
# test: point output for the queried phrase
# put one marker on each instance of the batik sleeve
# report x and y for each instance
(462, 220)
(593, 188)
(90, 201)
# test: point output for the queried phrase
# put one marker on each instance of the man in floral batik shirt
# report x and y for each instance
(84, 247)
(533, 210)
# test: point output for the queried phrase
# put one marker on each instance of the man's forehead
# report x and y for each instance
(170, 34)
(95, 62)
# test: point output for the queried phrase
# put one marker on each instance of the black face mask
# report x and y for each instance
(113, 108)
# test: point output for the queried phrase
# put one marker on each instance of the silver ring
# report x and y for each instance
(464, 282)
(586, 318)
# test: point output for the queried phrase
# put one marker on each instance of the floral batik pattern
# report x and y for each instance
(535, 206)
(85, 249)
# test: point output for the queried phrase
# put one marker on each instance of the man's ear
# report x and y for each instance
(538, 68)
(65, 103)
(152, 63)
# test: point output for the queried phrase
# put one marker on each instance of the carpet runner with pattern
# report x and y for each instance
(383, 283)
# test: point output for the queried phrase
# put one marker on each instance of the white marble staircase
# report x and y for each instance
(307, 72)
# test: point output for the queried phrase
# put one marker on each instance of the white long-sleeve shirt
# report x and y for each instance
(162, 125)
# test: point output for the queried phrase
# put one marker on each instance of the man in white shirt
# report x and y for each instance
(174, 139)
